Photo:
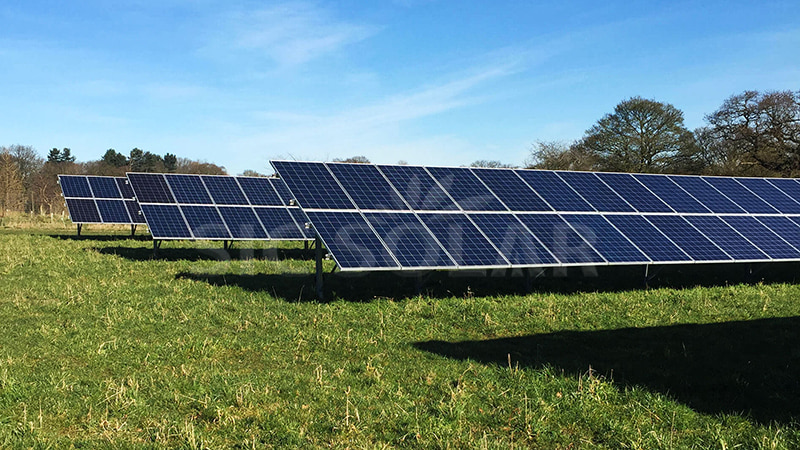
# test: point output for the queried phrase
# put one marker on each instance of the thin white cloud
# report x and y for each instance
(289, 34)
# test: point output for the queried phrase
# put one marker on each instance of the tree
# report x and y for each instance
(252, 173)
(490, 164)
(639, 136)
(554, 155)
(66, 155)
(114, 159)
(137, 160)
(12, 191)
(761, 130)
(353, 159)
(28, 164)
(170, 162)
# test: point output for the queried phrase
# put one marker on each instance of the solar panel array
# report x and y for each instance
(390, 217)
(97, 199)
(217, 207)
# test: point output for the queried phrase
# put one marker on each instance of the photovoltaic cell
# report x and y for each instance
(466, 189)
(418, 188)
(367, 187)
(82, 210)
(783, 227)
(562, 241)
(409, 241)
(688, 238)
(771, 195)
(740, 195)
(151, 188)
(727, 238)
(763, 238)
(224, 190)
(511, 190)
(634, 192)
(606, 239)
(104, 187)
(165, 221)
(124, 188)
(205, 222)
(462, 240)
(188, 189)
(671, 194)
(513, 240)
(260, 191)
(351, 241)
(313, 185)
(283, 192)
(706, 194)
(788, 186)
(554, 190)
(113, 211)
(300, 218)
(278, 223)
(133, 211)
(649, 240)
(242, 222)
(74, 186)
(594, 191)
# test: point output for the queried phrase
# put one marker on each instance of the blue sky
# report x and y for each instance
(238, 83)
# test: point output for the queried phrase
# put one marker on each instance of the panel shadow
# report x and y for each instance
(745, 367)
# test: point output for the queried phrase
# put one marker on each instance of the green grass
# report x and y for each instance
(103, 346)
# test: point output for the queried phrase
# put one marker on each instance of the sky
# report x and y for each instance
(237, 83)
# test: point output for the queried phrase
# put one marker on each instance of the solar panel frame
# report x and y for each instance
(102, 193)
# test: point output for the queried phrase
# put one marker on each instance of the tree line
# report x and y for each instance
(29, 182)
(751, 134)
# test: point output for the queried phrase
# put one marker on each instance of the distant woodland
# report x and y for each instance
(751, 134)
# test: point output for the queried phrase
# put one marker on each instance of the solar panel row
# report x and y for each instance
(410, 217)
(213, 207)
(99, 199)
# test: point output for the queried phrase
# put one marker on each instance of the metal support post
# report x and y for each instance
(318, 257)
(80, 225)
(133, 229)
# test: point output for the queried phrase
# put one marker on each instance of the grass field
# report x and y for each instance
(103, 346)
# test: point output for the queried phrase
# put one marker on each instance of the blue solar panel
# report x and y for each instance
(278, 223)
(74, 186)
(562, 241)
(242, 222)
(783, 227)
(283, 192)
(205, 222)
(409, 241)
(740, 195)
(671, 194)
(125, 188)
(634, 192)
(688, 238)
(224, 190)
(367, 187)
(594, 191)
(351, 241)
(788, 186)
(82, 210)
(706, 194)
(165, 222)
(554, 190)
(771, 195)
(513, 240)
(418, 188)
(649, 240)
(104, 187)
(511, 190)
(300, 218)
(113, 211)
(727, 238)
(466, 189)
(188, 189)
(462, 240)
(313, 185)
(762, 237)
(133, 211)
(260, 191)
(150, 188)
(606, 239)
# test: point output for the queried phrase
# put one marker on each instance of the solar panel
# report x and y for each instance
(99, 199)
(413, 217)
(217, 207)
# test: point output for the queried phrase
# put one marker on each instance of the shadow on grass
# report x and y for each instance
(363, 286)
(745, 367)
(206, 254)
(102, 237)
